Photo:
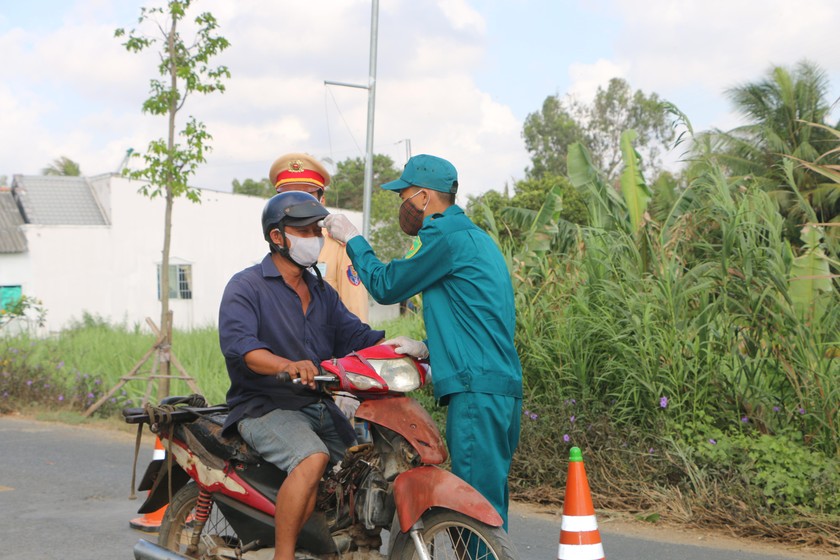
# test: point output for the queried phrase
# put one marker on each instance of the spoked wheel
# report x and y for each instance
(182, 520)
(450, 535)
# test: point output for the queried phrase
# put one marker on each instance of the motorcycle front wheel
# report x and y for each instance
(450, 535)
(179, 522)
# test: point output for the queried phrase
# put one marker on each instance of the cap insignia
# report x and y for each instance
(296, 166)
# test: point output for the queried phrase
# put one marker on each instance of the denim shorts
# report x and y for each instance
(287, 437)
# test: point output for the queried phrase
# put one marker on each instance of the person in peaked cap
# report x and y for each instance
(302, 172)
(276, 316)
(469, 313)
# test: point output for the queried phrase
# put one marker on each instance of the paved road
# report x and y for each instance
(64, 490)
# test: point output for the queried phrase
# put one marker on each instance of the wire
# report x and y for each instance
(349, 131)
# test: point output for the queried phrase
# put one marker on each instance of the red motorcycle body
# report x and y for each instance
(389, 483)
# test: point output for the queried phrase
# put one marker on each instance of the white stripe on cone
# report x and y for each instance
(581, 551)
(579, 523)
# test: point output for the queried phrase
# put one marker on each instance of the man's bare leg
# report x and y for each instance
(295, 502)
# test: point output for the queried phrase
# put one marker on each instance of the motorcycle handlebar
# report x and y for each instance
(284, 377)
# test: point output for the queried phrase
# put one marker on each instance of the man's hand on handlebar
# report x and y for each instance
(303, 370)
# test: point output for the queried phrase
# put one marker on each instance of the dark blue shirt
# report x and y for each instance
(259, 310)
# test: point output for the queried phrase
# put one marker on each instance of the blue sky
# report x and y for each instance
(455, 77)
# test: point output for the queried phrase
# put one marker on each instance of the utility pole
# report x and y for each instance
(371, 88)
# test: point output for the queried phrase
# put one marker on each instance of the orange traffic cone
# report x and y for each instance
(150, 522)
(579, 535)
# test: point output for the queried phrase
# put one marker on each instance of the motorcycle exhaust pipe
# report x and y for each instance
(144, 550)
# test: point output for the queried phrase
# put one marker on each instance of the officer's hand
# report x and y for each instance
(405, 345)
(340, 228)
(304, 370)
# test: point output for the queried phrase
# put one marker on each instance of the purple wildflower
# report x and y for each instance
(801, 410)
(60, 365)
(90, 395)
(566, 438)
(650, 450)
(572, 419)
(29, 383)
(712, 441)
(776, 409)
(60, 398)
(533, 416)
(745, 419)
(663, 402)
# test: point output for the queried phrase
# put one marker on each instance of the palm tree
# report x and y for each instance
(63, 166)
(778, 109)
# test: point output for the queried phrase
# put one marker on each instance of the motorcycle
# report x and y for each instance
(390, 484)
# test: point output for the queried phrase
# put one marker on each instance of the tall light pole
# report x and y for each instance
(371, 87)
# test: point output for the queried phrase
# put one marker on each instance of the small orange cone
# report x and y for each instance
(579, 535)
(150, 522)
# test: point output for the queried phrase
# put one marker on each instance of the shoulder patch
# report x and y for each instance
(415, 246)
(353, 276)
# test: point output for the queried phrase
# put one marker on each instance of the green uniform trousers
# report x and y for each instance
(482, 433)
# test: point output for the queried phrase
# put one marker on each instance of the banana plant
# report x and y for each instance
(810, 281)
(633, 186)
(606, 208)
(541, 228)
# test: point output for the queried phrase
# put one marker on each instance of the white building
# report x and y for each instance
(93, 245)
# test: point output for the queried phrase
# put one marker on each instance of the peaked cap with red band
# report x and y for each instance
(300, 172)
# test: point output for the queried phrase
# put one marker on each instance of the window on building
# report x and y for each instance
(9, 296)
(180, 281)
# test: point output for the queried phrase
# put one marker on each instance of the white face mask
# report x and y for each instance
(305, 250)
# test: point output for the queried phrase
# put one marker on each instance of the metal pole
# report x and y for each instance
(368, 186)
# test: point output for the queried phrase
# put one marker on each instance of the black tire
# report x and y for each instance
(176, 528)
(450, 535)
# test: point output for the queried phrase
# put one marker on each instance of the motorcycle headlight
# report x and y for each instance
(363, 382)
(401, 374)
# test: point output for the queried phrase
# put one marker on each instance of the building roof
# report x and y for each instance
(58, 200)
(12, 239)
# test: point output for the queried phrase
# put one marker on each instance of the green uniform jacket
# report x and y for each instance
(467, 302)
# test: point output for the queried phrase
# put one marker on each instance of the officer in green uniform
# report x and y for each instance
(469, 314)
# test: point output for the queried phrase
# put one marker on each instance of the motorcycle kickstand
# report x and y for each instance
(419, 545)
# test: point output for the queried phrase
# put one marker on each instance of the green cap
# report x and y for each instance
(575, 456)
(428, 172)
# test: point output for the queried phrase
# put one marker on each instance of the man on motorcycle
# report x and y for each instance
(275, 317)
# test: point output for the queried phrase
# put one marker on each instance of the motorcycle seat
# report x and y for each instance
(207, 430)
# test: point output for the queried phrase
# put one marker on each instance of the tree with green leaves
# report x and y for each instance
(252, 187)
(185, 68)
(779, 109)
(616, 110)
(548, 134)
(599, 125)
(62, 166)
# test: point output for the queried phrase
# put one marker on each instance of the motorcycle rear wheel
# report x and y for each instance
(450, 535)
(176, 526)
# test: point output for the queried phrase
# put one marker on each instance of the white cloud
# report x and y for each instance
(72, 89)
(717, 44)
(587, 78)
(461, 15)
